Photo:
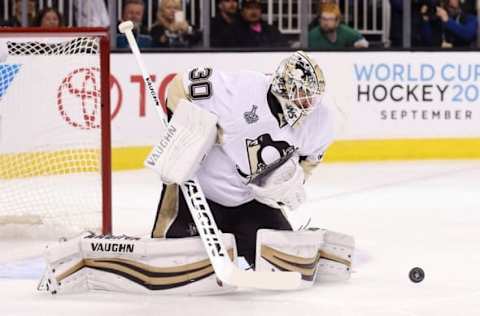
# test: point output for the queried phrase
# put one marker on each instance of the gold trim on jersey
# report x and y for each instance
(176, 92)
(168, 211)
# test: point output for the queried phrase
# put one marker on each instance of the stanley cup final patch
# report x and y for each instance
(250, 116)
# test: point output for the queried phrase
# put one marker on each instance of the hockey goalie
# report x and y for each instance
(252, 140)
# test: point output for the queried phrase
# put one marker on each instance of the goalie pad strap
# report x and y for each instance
(167, 210)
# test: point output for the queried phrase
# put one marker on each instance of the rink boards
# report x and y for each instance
(388, 105)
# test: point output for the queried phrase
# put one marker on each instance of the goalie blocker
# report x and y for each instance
(188, 138)
(181, 266)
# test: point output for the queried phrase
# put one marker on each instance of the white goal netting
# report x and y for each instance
(50, 136)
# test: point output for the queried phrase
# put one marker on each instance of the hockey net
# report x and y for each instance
(54, 132)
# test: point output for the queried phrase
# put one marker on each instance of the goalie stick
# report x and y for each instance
(224, 268)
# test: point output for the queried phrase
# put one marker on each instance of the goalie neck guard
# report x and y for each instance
(297, 83)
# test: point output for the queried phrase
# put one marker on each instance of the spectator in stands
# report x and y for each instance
(396, 22)
(48, 18)
(91, 13)
(133, 10)
(16, 20)
(447, 26)
(330, 34)
(221, 25)
(171, 29)
(469, 6)
(252, 31)
(315, 21)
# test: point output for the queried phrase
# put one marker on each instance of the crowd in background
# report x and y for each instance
(86, 13)
(436, 23)
(241, 24)
(236, 26)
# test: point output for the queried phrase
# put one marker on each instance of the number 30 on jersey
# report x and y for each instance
(200, 87)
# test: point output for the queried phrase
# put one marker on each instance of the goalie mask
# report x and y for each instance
(298, 83)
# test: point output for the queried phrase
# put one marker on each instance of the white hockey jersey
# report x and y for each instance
(254, 135)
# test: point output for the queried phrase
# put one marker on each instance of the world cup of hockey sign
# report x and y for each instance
(440, 91)
(78, 98)
(414, 95)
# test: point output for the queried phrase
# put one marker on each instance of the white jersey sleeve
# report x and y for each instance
(205, 87)
(319, 133)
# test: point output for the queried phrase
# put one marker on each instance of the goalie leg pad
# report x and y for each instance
(289, 251)
(189, 136)
(126, 264)
(318, 254)
(335, 262)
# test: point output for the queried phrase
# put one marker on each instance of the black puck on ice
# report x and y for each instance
(416, 275)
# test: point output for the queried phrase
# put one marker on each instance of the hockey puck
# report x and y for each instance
(416, 275)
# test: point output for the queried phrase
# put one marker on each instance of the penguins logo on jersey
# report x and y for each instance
(264, 155)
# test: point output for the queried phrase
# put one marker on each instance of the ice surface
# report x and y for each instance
(402, 214)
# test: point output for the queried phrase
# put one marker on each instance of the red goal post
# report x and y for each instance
(55, 146)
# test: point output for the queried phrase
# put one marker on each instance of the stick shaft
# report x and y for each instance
(194, 197)
(146, 76)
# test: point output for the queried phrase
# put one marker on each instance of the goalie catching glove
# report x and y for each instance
(283, 188)
(189, 136)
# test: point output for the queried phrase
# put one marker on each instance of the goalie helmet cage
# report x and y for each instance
(55, 147)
